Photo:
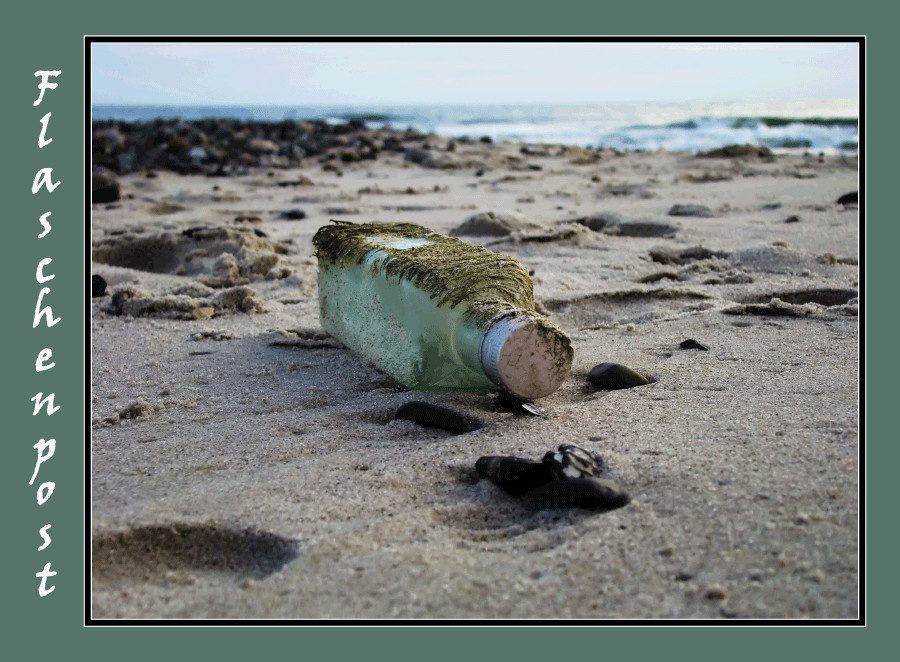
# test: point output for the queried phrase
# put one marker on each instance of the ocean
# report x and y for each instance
(829, 126)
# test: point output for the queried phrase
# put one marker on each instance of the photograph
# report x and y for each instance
(473, 330)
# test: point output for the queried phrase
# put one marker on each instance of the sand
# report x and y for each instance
(246, 466)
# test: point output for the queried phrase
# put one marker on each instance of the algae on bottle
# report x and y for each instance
(437, 313)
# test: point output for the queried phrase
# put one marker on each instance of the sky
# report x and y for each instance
(379, 73)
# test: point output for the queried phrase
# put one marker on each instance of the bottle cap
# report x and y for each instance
(526, 354)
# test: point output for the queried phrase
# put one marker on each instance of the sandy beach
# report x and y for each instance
(246, 466)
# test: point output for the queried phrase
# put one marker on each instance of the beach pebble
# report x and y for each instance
(792, 219)
(851, 198)
(513, 474)
(690, 343)
(615, 376)
(582, 492)
(698, 211)
(105, 188)
(433, 416)
(731, 151)
(98, 285)
(600, 221)
(496, 224)
(293, 214)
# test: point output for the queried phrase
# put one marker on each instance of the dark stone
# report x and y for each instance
(685, 256)
(595, 493)
(190, 232)
(690, 343)
(480, 172)
(105, 188)
(486, 139)
(259, 233)
(433, 416)
(792, 219)
(513, 474)
(293, 214)
(98, 285)
(732, 151)
(615, 376)
(600, 221)
(771, 206)
(643, 229)
(534, 166)
(697, 211)
(849, 199)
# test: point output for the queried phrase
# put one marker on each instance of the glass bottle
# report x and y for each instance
(437, 313)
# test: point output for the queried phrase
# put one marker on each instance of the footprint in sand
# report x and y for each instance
(148, 552)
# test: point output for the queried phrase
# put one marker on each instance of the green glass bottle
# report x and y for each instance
(437, 313)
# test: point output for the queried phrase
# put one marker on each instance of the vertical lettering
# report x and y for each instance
(38, 403)
(44, 574)
(44, 178)
(42, 357)
(43, 455)
(41, 142)
(41, 278)
(42, 312)
(45, 536)
(46, 225)
(44, 85)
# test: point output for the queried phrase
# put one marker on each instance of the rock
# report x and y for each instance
(496, 224)
(433, 416)
(642, 229)
(615, 376)
(698, 211)
(847, 199)
(732, 151)
(600, 221)
(690, 343)
(105, 188)
(513, 474)
(684, 256)
(262, 146)
(98, 286)
(597, 493)
(430, 159)
(792, 219)
(293, 214)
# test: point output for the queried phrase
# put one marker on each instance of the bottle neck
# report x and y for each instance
(525, 354)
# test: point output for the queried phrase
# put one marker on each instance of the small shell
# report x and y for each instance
(583, 492)
(513, 474)
(571, 462)
(517, 405)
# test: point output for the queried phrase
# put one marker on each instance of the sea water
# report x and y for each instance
(816, 125)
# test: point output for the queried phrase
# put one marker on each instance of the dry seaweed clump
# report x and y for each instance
(448, 269)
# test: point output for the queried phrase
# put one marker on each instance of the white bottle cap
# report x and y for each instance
(526, 354)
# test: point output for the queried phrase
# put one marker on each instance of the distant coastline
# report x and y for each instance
(829, 126)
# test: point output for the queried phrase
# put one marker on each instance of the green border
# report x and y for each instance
(50, 35)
